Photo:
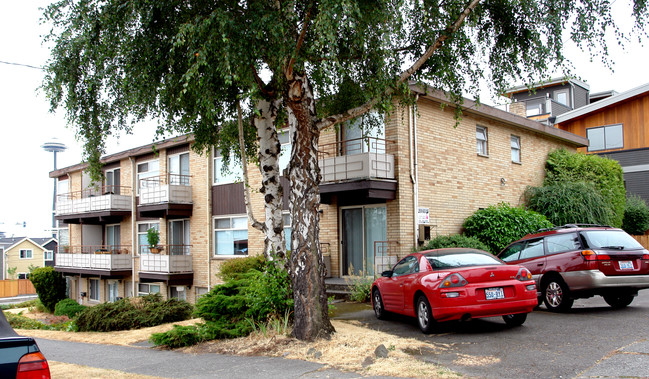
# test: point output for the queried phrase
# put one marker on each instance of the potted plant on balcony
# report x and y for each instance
(153, 237)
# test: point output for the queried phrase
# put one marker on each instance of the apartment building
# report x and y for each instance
(382, 192)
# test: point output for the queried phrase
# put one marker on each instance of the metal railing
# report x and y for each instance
(93, 199)
(170, 188)
(367, 157)
(98, 257)
(170, 259)
(386, 255)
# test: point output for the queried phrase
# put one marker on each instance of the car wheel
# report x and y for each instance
(425, 315)
(377, 302)
(515, 320)
(618, 301)
(556, 295)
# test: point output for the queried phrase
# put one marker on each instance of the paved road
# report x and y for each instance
(592, 340)
(171, 364)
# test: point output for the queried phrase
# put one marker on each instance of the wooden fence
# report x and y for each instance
(643, 240)
(11, 288)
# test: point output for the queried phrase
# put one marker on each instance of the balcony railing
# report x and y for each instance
(386, 255)
(171, 259)
(94, 199)
(359, 158)
(95, 257)
(171, 188)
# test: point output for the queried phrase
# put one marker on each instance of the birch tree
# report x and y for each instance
(311, 65)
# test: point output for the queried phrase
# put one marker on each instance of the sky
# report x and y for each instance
(26, 123)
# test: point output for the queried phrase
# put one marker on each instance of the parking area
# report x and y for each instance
(591, 340)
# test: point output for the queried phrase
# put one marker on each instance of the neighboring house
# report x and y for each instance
(419, 176)
(24, 252)
(617, 127)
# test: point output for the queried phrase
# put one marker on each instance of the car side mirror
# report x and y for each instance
(387, 274)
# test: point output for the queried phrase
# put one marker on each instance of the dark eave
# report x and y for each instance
(171, 279)
(366, 189)
(165, 210)
(94, 218)
(86, 272)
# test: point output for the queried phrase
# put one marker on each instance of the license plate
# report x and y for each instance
(626, 265)
(494, 293)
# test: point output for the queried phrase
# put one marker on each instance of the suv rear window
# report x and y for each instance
(610, 239)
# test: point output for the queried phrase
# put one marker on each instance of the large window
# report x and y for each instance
(26, 254)
(146, 289)
(178, 292)
(112, 181)
(113, 291)
(147, 170)
(226, 174)
(516, 149)
(481, 140)
(561, 97)
(113, 236)
(142, 229)
(179, 169)
(48, 255)
(231, 236)
(93, 285)
(178, 237)
(605, 137)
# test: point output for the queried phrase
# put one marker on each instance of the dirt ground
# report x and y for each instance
(351, 348)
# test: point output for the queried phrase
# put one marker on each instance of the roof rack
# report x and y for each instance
(570, 226)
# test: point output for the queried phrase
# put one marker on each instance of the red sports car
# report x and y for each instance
(454, 284)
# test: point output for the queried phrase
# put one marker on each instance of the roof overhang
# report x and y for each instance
(551, 83)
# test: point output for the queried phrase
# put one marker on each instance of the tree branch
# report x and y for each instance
(300, 41)
(246, 183)
(360, 110)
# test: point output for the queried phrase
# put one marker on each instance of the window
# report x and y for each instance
(561, 97)
(407, 265)
(63, 186)
(48, 255)
(112, 181)
(147, 170)
(481, 140)
(26, 254)
(146, 289)
(534, 107)
(112, 236)
(23, 275)
(93, 285)
(286, 222)
(113, 291)
(605, 137)
(512, 252)
(532, 249)
(561, 242)
(226, 174)
(142, 229)
(200, 291)
(285, 153)
(178, 292)
(231, 236)
(179, 169)
(178, 237)
(516, 149)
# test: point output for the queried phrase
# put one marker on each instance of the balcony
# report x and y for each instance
(541, 108)
(106, 261)
(167, 196)
(94, 205)
(172, 265)
(361, 168)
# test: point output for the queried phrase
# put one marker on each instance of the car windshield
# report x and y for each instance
(443, 261)
(610, 239)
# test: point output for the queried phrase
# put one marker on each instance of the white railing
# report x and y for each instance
(360, 158)
(172, 259)
(170, 189)
(111, 258)
(95, 199)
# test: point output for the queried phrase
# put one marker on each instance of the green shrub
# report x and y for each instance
(269, 294)
(570, 203)
(133, 313)
(636, 216)
(360, 288)
(605, 174)
(230, 269)
(498, 226)
(454, 240)
(181, 336)
(49, 285)
(68, 307)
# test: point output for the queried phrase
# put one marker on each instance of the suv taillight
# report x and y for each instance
(590, 255)
(33, 366)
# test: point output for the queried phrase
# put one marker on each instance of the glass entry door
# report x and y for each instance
(361, 228)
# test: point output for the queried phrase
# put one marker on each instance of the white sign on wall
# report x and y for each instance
(423, 216)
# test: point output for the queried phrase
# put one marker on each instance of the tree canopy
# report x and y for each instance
(308, 64)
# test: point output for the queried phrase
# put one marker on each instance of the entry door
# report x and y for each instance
(361, 228)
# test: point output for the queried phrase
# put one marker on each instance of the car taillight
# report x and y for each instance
(523, 274)
(645, 257)
(33, 366)
(590, 255)
(453, 280)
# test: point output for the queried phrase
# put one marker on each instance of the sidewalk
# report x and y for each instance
(172, 364)
(17, 299)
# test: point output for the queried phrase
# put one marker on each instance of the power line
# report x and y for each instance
(22, 65)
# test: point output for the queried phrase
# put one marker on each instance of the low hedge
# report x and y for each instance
(68, 307)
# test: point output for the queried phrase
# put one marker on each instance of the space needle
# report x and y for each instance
(54, 146)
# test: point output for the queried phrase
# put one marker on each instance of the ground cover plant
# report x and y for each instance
(49, 285)
(498, 225)
(132, 313)
(68, 307)
(18, 321)
(248, 298)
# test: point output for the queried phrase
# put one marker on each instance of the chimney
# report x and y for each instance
(518, 108)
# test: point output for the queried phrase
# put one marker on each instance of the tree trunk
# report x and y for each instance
(269, 151)
(306, 266)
